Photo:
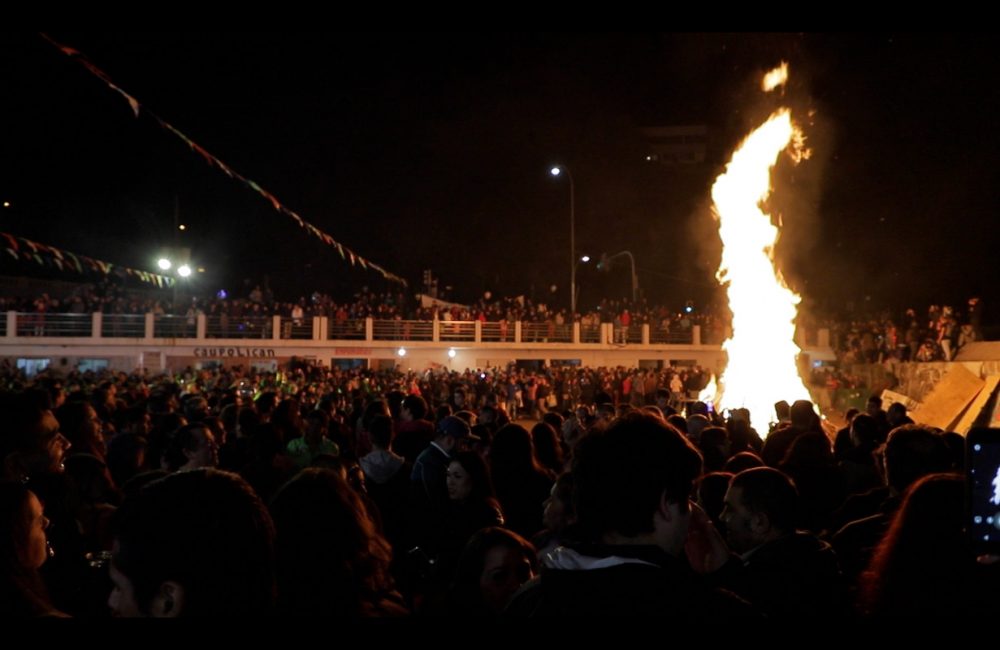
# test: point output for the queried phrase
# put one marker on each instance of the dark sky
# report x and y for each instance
(432, 151)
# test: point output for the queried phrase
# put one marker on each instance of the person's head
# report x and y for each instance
(548, 447)
(864, 431)
(32, 444)
(494, 564)
(79, 423)
(192, 446)
(760, 505)
(126, 456)
(743, 460)
(468, 478)
(559, 511)
(712, 488)
(911, 452)
(195, 408)
(922, 564)
(874, 405)
(896, 414)
(634, 481)
(330, 557)
(414, 407)
(22, 544)
(452, 432)
(803, 415)
(381, 431)
(196, 543)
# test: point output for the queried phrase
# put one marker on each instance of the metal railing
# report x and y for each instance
(497, 332)
(546, 333)
(299, 329)
(679, 337)
(243, 327)
(457, 330)
(402, 330)
(169, 326)
(590, 334)
(261, 327)
(351, 330)
(44, 324)
(123, 326)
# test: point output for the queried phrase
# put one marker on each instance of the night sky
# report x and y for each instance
(428, 151)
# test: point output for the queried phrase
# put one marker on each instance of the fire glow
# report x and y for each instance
(762, 351)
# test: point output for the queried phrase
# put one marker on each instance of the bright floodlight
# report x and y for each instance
(585, 259)
(184, 270)
(163, 263)
(451, 353)
(182, 227)
(555, 171)
(401, 352)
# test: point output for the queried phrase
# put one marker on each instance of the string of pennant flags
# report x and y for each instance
(345, 253)
(25, 250)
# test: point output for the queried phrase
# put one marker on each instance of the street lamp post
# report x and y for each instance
(606, 261)
(556, 171)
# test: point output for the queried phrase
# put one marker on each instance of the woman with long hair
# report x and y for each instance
(23, 550)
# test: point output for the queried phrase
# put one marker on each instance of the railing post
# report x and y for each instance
(321, 326)
(823, 337)
(369, 328)
(576, 331)
(95, 324)
(201, 327)
(11, 324)
(149, 328)
(275, 328)
(645, 333)
(436, 329)
(696, 335)
(479, 331)
(517, 331)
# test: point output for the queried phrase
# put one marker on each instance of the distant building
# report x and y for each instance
(676, 145)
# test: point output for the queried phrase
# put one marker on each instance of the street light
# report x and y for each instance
(556, 171)
(605, 264)
(164, 264)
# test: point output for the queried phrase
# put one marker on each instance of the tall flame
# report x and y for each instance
(762, 351)
(775, 78)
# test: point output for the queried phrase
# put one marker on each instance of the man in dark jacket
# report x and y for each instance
(632, 484)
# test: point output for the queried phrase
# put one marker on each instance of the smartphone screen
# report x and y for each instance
(983, 489)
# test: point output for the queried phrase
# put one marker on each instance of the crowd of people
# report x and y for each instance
(907, 337)
(356, 493)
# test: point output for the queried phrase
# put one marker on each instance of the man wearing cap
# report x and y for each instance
(428, 489)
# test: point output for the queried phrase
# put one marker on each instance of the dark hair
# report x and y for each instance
(479, 474)
(466, 589)
(866, 430)
(182, 440)
(768, 491)
(416, 405)
(381, 431)
(330, 558)
(622, 473)
(923, 562)
(22, 592)
(912, 451)
(547, 446)
(205, 529)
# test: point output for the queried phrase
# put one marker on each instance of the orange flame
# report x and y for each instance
(762, 351)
